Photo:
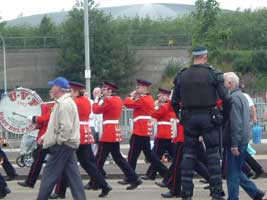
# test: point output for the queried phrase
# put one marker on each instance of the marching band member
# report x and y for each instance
(111, 107)
(163, 138)
(142, 104)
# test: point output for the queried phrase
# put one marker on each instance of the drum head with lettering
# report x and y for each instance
(16, 106)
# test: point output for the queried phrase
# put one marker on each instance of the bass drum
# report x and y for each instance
(16, 106)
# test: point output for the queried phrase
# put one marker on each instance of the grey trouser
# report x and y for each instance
(62, 159)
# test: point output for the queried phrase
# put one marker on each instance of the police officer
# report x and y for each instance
(163, 138)
(196, 92)
(110, 106)
(84, 153)
(142, 104)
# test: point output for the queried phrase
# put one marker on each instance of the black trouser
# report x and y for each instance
(86, 159)
(197, 124)
(36, 167)
(160, 147)
(9, 169)
(256, 167)
(173, 177)
(140, 143)
(201, 164)
(114, 148)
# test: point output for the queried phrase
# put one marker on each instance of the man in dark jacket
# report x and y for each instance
(237, 140)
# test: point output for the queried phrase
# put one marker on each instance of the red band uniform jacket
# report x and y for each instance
(143, 107)
(84, 111)
(111, 109)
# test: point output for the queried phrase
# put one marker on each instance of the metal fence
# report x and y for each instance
(128, 113)
(141, 40)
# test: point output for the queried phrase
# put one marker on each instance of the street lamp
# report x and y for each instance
(4, 55)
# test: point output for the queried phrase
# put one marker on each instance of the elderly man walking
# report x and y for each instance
(62, 138)
(237, 137)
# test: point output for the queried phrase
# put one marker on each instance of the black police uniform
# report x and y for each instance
(196, 92)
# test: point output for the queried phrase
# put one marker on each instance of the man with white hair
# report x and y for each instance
(237, 138)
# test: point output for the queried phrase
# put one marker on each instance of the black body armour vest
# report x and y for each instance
(197, 87)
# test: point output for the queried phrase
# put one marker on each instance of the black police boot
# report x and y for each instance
(161, 184)
(259, 195)
(12, 177)
(134, 184)
(57, 196)
(7, 190)
(170, 195)
(105, 191)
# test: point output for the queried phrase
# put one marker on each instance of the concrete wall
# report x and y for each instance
(153, 61)
(32, 68)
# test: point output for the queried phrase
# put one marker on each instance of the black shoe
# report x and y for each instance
(169, 195)
(24, 184)
(57, 196)
(257, 175)
(251, 174)
(11, 178)
(134, 185)
(259, 195)
(123, 182)
(2, 194)
(187, 198)
(89, 186)
(161, 184)
(105, 191)
(146, 178)
(7, 190)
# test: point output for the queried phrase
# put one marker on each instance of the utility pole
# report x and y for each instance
(4, 55)
(87, 48)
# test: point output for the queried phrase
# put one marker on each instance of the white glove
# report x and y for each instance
(29, 119)
(101, 102)
(96, 99)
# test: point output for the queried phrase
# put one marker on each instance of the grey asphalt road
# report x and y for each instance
(148, 190)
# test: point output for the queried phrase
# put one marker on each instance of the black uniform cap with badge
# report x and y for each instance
(110, 85)
(143, 82)
(77, 86)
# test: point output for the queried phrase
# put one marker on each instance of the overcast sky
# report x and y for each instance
(10, 9)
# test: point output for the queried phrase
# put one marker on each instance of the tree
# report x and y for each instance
(205, 17)
(46, 27)
(110, 57)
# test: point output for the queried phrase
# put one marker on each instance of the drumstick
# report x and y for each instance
(14, 113)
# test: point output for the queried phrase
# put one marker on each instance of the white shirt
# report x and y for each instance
(95, 120)
(250, 101)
